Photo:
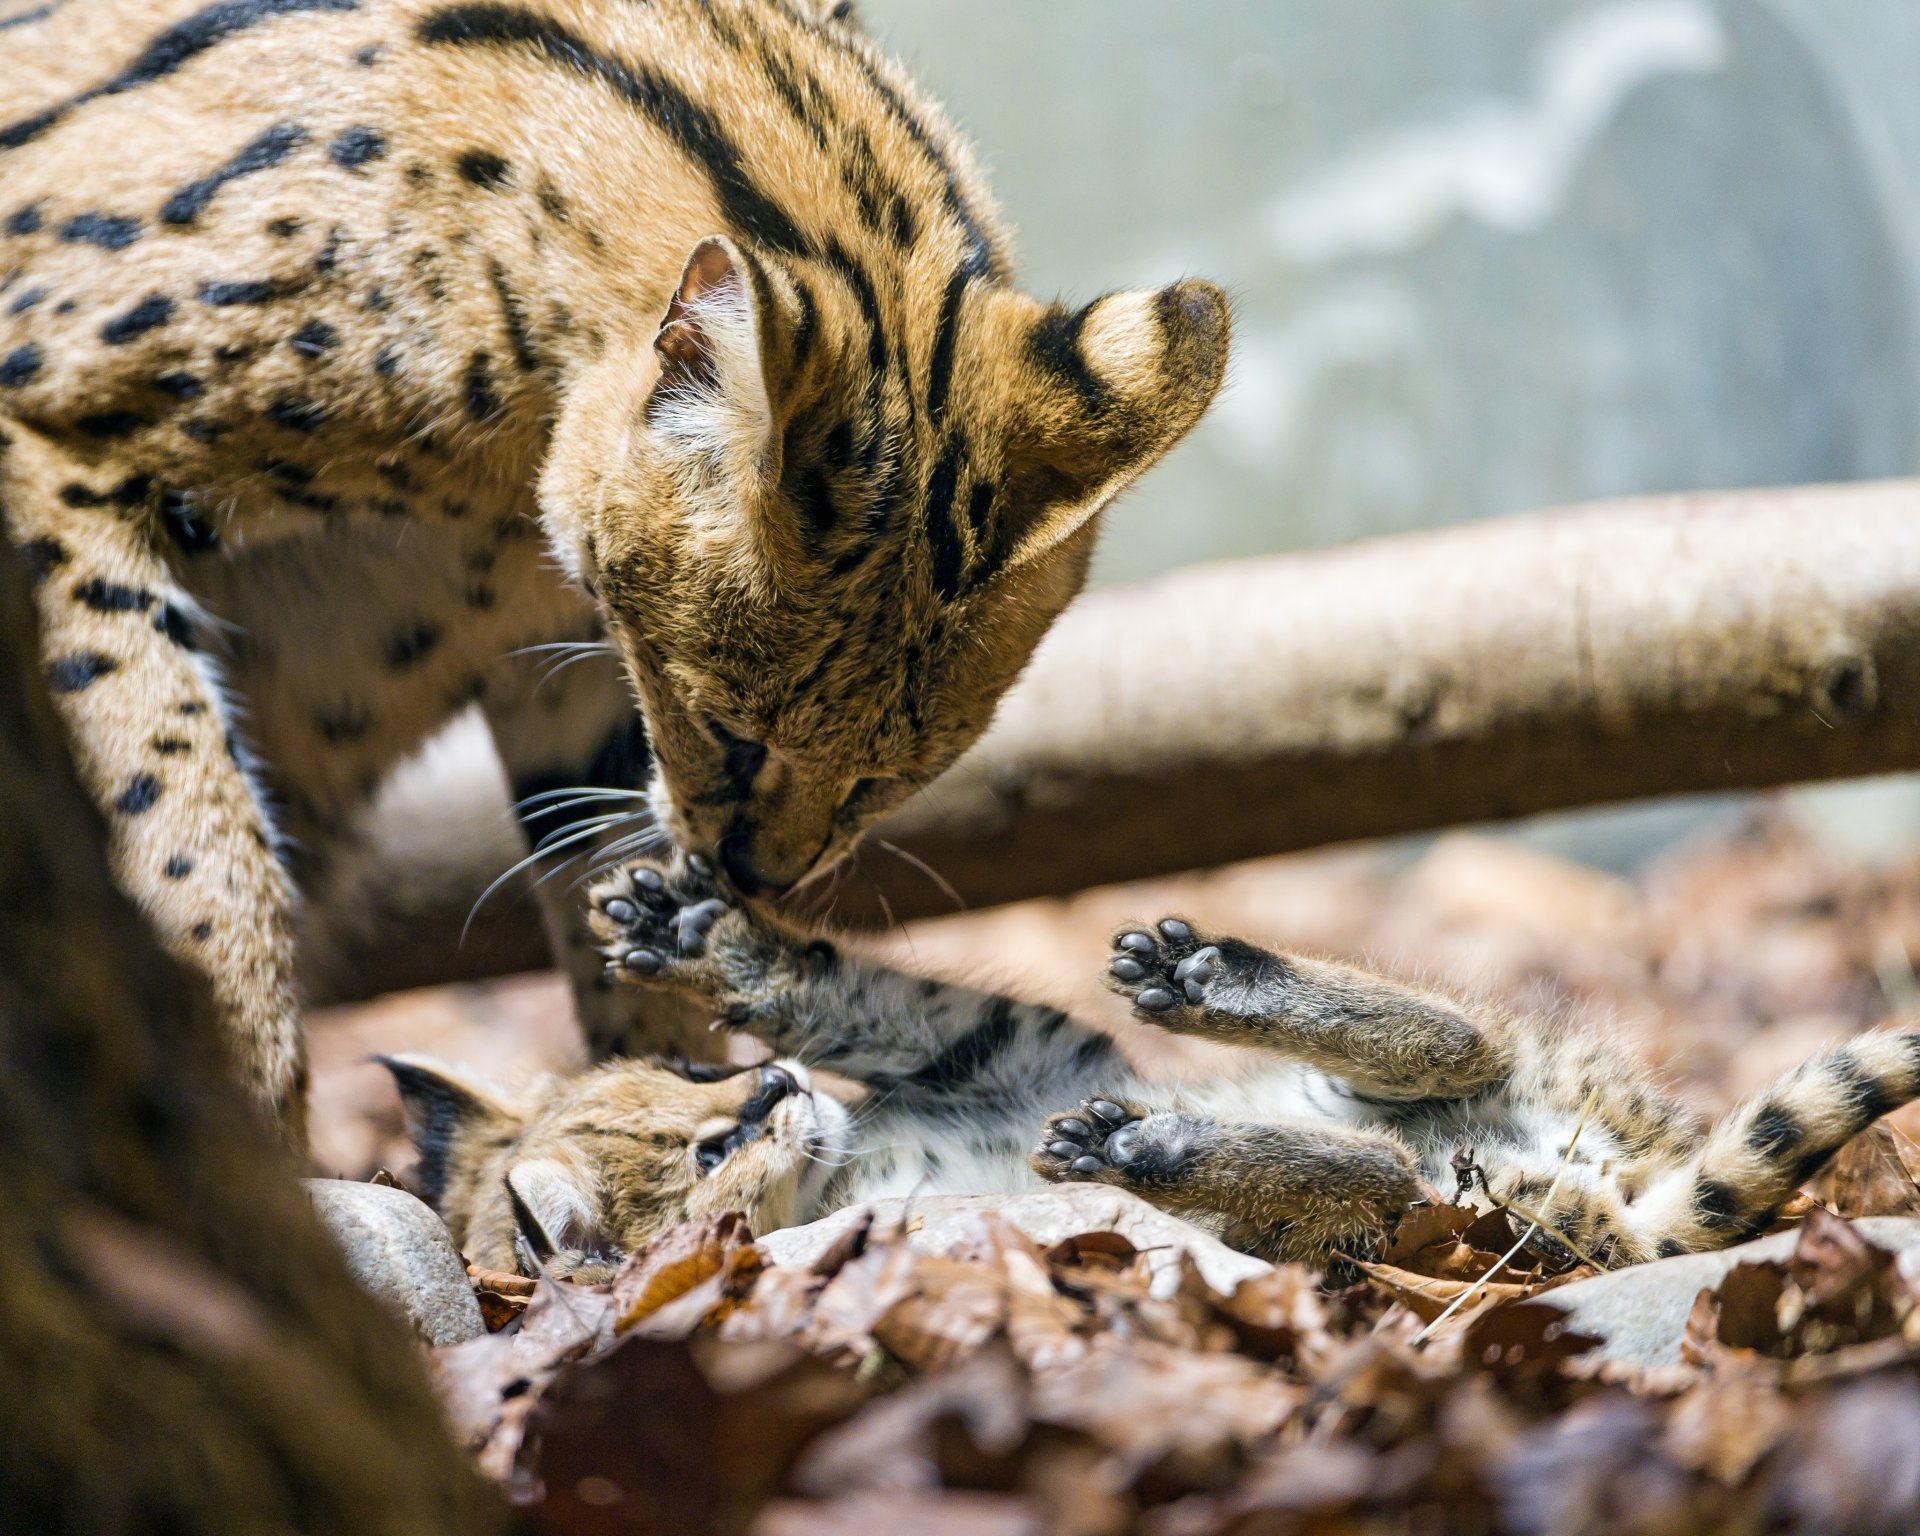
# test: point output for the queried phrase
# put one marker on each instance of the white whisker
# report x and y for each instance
(940, 880)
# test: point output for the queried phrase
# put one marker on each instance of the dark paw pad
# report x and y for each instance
(1162, 968)
(651, 918)
(1100, 1137)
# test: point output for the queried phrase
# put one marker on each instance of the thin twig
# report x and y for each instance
(1552, 1189)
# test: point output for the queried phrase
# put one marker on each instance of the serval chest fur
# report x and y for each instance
(647, 374)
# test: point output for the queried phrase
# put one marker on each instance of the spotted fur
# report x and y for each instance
(1353, 1097)
(328, 327)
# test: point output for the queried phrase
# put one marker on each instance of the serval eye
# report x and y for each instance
(741, 760)
(712, 1152)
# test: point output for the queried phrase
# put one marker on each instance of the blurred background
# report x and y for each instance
(1487, 256)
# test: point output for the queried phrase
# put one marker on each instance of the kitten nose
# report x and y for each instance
(775, 1084)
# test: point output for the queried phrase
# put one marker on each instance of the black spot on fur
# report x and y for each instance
(284, 229)
(697, 132)
(314, 339)
(406, 647)
(354, 147)
(1775, 1131)
(263, 153)
(106, 424)
(172, 622)
(169, 50)
(224, 295)
(296, 413)
(961, 1061)
(20, 365)
(481, 597)
(178, 867)
(112, 596)
(43, 557)
(204, 429)
(25, 300)
(514, 314)
(1867, 1097)
(482, 403)
(140, 796)
(109, 231)
(70, 674)
(24, 221)
(202, 931)
(386, 361)
(179, 384)
(156, 309)
(1716, 1204)
(191, 533)
(171, 746)
(484, 168)
(286, 471)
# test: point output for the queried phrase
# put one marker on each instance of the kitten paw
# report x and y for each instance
(1094, 1143)
(657, 921)
(1163, 970)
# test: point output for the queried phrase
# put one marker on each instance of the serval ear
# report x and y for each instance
(446, 1111)
(712, 396)
(1107, 390)
(553, 1212)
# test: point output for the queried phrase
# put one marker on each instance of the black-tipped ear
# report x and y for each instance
(442, 1108)
(1114, 385)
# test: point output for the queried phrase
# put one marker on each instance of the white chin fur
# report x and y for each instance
(820, 1126)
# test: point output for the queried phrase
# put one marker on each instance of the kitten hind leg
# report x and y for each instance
(1308, 1193)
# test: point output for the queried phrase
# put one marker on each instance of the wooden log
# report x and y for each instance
(1667, 645)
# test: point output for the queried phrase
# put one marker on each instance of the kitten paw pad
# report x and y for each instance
(1162, 968)
(653, 918)
(1096, 1140)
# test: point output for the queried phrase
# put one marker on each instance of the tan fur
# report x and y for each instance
(345, 319)
(618, 1145)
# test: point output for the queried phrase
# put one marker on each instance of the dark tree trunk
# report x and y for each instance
(181, 1350)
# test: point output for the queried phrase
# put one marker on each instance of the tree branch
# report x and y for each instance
(1558, 659)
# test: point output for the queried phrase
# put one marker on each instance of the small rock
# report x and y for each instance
(1048, 1216)
(401, 1253)
(1640, 1313)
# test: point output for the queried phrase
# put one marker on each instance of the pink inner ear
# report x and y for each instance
(685, 348)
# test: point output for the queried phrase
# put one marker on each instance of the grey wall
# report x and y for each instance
(1487, 254)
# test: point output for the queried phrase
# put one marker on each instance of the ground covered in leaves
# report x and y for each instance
(1001, 1387)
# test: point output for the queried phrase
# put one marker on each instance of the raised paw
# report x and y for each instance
(1162, 969)
(1097, 1141)
(655, 921)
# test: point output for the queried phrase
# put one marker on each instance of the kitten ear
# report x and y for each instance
(712, 392)
(444, 1109)
(553, 1209)
(1108, 389)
